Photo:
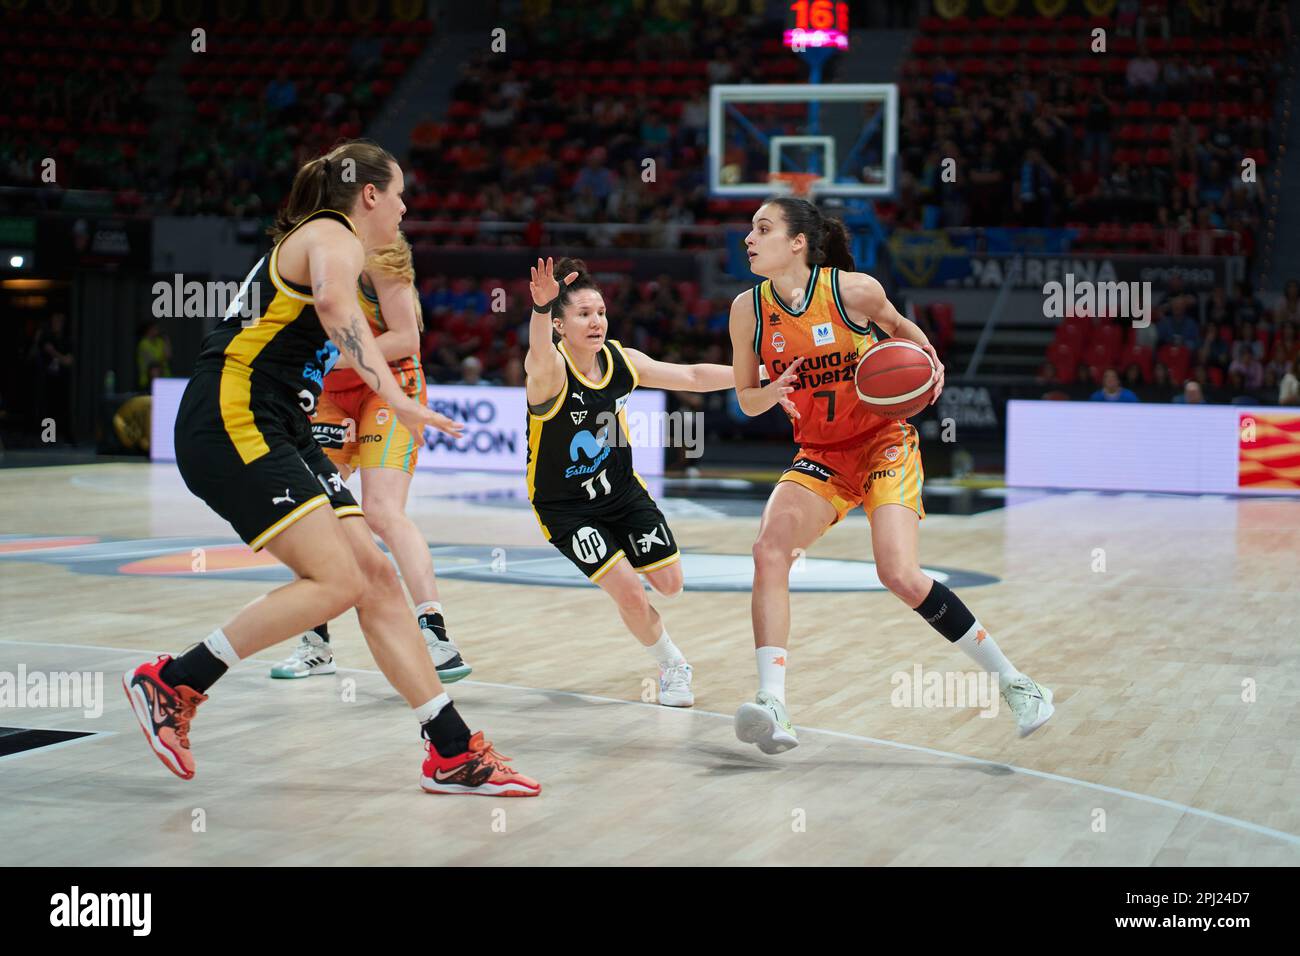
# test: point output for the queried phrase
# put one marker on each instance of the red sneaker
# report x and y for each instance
(164, 713)
(478, 770)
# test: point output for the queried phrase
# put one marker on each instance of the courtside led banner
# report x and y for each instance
(495, 437)
(1209, 449)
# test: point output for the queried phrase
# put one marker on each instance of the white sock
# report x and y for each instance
(219, 645)
(771, 670)
(984, 651)
(426, 712)
(665, 651)
(428, 607)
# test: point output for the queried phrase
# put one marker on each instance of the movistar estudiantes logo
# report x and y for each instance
(585, 445)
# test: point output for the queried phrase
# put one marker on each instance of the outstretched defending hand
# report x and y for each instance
(541, 282)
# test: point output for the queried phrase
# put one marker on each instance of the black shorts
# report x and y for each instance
(257, 465)
(594, 539)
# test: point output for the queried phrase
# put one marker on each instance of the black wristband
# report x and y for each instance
(543, 309)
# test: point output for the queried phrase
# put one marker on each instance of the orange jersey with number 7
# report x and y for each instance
(817, 328)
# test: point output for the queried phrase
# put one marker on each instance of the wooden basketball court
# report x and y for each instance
(1164, 625)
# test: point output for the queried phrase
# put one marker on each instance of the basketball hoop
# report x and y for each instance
(795, 184)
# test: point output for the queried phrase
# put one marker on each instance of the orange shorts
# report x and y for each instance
(885, 469)
(357, 428)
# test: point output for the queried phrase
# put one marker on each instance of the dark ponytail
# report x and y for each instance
(828, 239)
(583, 280)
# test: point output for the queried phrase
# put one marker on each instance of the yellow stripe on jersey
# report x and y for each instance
(609, 366)
(274, 270)
(636, 377)
(236, 375)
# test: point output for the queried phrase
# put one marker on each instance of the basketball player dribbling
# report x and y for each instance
(357, 429)
(591, 504)
(807, 324)
(245, 447)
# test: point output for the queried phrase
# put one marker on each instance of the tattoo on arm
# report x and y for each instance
(350, 340)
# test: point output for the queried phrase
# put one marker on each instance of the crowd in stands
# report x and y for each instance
(559, 129)
(665, 318)
(1137, 148)
(1212, 347)
(74, 94)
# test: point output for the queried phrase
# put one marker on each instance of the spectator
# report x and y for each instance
(513, 373)
(53, 350)
(281, 92)
(1245, 372)
(1097, 126)
(1143, 73)
(1111, 390)
(1214, 350)
(1288, 307)
(1191, 394)
(153, 355)
(471, 372)
(1288, 392)
(594, 178)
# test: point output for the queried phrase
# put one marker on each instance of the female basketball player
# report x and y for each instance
(808, 324)
(590, 502)
(245, 447)
(356, 427)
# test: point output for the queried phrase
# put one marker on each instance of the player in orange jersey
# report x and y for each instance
(356, 428)
(807, 324)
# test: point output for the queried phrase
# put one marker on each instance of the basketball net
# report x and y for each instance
(796, 184)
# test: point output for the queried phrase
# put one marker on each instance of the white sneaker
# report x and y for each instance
(311, 657)
(675, 685)
(766, 723)
(446, 657)
(1030, 702)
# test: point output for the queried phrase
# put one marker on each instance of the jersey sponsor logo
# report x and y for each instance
(620, 402)
(835, 367)
(642, 543)
(892, 453)
(578, 396)
(774, 318)
(578, 417)
(326, 356)
(370, 438)
(810, 467)
(307, 400)
(284, 499)
(823, 334)
(586, 445)
(332, 482)
(588, 545)
(329, 435)
(778, 341)
(883, 473)
(381, 417)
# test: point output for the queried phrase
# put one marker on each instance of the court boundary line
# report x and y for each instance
(1282, 835)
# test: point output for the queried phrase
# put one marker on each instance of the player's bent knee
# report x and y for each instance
(770, 554)
(904, 581)
(382, 521)
(667, 581)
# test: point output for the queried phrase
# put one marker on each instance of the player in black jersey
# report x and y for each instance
(244, 445)
(590, 502)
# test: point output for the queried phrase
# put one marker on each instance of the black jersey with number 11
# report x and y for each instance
(578, 451)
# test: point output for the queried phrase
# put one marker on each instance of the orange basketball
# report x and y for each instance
(896, 378)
